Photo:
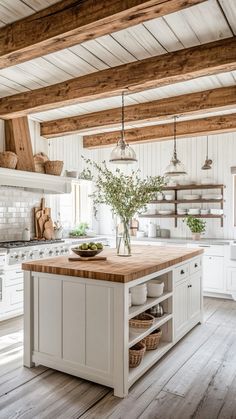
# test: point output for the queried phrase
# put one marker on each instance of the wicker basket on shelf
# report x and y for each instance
(39, 162)
(142, 321)
(54, 167)
(136, 354)
(8, 159)
(152, 341)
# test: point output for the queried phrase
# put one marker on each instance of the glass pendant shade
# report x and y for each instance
(208, 162)
(123, 153)
(176, 167)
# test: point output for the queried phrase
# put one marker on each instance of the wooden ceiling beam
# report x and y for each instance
(164, 132)
(190, 63)
(158, 110)
(71, 22)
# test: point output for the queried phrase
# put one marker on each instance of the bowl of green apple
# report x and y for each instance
(88, 249)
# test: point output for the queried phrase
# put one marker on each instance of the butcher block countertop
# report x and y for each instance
(145, 260)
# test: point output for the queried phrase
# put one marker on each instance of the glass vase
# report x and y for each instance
(123, 239)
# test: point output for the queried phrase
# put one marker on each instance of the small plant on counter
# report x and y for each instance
(79, 231)
(125, 194)
(196, 226)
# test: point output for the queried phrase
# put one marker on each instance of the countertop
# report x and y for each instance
(183, 241)
(145, 260)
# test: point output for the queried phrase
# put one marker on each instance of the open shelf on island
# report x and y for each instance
(135, 335)
(150, 358)
(135, 310)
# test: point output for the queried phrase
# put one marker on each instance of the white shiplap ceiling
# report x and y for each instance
(207, 22)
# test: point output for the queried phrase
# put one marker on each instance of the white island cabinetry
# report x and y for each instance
(81, 325)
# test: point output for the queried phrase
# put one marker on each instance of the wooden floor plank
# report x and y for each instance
(196, 379)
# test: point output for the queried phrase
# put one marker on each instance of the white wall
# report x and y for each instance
(153, 159)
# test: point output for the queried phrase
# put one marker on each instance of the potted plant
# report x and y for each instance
(125, 194)
(196, 226)
(80, 230)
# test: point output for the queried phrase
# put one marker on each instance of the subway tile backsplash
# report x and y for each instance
(16, 212)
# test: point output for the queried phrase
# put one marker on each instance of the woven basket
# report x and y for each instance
(152, 341)
(54, 167)
(142, 321)
(136, 354)
(39, 162)
(8, 159)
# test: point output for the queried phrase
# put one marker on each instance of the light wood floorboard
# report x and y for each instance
(196, 379)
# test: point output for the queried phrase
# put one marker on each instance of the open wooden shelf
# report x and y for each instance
(149, 359)
(135, 310)
(135, 335)
(188, 201)
(192, 186)
(180, 216)
(177, 201)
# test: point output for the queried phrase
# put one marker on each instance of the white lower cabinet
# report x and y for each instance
(231, 281)
(73, 324)
(213, 273)
(187, 304)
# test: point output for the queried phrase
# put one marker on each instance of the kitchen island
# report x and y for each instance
(77, 313)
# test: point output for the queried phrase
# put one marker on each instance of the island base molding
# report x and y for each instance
(81, 326)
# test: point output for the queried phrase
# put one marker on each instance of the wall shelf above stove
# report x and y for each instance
(33, 181)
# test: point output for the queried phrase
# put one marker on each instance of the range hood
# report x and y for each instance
(32, 181)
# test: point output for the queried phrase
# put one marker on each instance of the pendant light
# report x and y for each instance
(208, 162)
(123, 153)
(175, 168)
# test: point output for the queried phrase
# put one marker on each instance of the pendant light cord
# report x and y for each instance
(123, 118)
(175, 152)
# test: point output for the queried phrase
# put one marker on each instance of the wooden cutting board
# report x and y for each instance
(79, 259)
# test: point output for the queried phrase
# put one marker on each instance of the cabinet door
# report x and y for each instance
(50, 316)
(231, 280)
(180, 308)
(213, 273)
(194, 288)
(74, 322)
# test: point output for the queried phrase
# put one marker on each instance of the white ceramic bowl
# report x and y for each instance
(169, 197)
(138, 295)
(155, 288)
(194, 211)
(204, 211)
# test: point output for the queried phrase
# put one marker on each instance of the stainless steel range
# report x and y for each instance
(19, 251)
(12, 254)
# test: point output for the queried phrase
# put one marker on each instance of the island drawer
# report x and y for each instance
(181, 272)
(195, 266)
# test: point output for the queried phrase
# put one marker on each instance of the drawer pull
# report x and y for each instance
(196, 265)
(182, 272)
(189, 286)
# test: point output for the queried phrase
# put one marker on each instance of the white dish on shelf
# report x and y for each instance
(169, 197)
(204, 211)
(155, 288)
(165, 212)
(216, 211)
(191, 197)
(138, 295)
(181, 211)
(194, 211)
(212, 196)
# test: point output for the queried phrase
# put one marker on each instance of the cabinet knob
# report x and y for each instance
(189, 286)
(182, 272)
(196, 265)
